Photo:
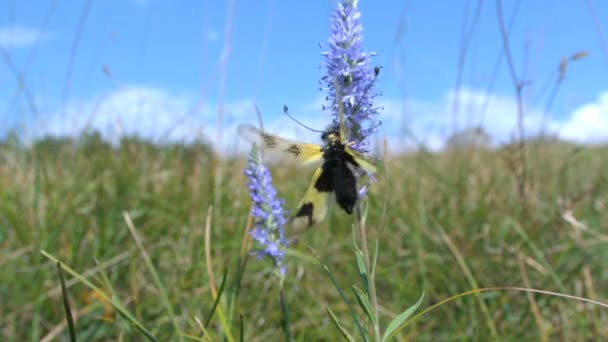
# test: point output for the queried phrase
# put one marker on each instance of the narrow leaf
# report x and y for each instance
(117, 305)
(217, 299)
(363, 300)
(375, 262)
(66, 304)
(354, 235)
(155, 276)
(350, 307)
(242, 329)
(285, 321)
(193, 337)
(395, 325)
(362, 270)
(340, 327)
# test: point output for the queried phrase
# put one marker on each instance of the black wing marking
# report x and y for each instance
(313, 207)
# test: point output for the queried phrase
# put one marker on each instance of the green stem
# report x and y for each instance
(286, 319)
(371, 282)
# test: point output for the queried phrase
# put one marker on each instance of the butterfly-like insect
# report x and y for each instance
(338, 167)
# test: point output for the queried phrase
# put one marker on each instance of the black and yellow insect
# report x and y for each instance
(338, 167)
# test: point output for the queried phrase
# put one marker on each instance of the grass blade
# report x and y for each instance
(66, 305)
(155, 276)
(471, 279)
(193, 337)
(339, 325)
(242, 329)
(398, 322)
(204, 334)
(223, 321)
(285, 321)
(118, 306)
(350, 306)
(217, 299)
(501, 288)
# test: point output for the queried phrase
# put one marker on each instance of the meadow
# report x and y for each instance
(445, 223)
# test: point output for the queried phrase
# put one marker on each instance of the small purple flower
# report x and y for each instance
(267, 210)
(350, 76)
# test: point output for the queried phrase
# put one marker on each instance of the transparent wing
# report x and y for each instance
(283, 149)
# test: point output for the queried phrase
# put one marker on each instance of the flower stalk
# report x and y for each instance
(361, 221)
(349, 82)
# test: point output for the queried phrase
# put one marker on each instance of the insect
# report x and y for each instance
(338, 167)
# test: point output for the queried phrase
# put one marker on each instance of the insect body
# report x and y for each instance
(337, 169)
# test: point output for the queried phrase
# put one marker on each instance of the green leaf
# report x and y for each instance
(340, 327)
(162, 291)
(364, 209)
(375, 262)
(217, 299)
(285, 320)
(350, 307)
(362, 270)
(396, 324)
(242, 329)
(66, 304)
(363, 300)
(116, 304)
(354, 235)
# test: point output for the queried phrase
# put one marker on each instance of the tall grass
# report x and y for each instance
(454, 222)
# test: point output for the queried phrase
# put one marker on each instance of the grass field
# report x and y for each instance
(454, 221)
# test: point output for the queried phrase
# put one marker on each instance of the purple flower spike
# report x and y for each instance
(267, 210)
(350, 76)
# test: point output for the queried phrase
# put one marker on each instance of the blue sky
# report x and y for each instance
(154, 67)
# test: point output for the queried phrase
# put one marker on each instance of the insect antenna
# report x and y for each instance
(286, 111)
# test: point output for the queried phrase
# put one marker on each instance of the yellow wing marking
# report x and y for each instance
(314, 204)
(301, 153)
(364, 162)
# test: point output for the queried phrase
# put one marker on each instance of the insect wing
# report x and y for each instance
(314, 204)
(363, 162)
(280, 148)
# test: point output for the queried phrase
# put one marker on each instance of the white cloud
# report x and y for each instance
(586, 124)
(149, 112)
(410, 122)
(20, 37)
(157, 114)
(589, 122)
